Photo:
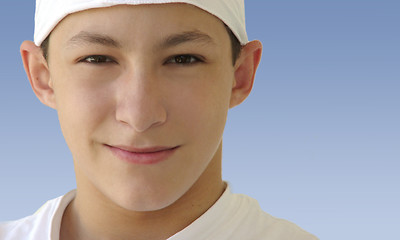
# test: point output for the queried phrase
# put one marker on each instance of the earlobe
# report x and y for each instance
(37, 70)
(245, 70)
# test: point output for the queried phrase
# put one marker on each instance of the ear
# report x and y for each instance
(245, 70)
(37, 70)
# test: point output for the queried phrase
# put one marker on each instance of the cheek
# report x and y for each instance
(202, 110)
(82, 107)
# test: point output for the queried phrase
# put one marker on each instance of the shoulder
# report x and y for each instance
(260, 225)
(238, 217)
(24, 228)
(40, 225)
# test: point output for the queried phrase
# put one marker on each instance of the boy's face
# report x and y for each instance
(142, 78)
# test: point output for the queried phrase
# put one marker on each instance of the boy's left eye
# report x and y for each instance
(183, 59)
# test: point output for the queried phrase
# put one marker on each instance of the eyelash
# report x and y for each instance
(181, 59)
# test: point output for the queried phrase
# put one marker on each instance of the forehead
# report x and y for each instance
(139, 22)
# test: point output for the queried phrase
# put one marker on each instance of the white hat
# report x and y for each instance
(50, 12)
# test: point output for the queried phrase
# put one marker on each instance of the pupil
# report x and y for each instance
(99, 59)
(182, 59)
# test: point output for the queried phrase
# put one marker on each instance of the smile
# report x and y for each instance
(142, 156)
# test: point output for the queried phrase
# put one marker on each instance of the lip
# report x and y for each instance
(142, 156)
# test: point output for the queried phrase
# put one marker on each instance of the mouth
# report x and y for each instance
(142, 156)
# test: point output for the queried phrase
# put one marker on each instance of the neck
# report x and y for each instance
(93, 216)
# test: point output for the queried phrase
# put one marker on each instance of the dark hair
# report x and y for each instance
(235, 45)
(45, 47)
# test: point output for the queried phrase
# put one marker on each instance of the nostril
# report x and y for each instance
(141, 117)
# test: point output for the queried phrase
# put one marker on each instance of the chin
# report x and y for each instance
(145, 200)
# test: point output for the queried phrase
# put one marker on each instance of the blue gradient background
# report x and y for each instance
(317, 142)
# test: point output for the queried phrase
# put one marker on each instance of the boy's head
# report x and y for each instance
(142, 93)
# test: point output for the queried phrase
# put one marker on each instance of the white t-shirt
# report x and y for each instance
(232, 217)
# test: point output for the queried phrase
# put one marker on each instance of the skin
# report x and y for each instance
(140, 96)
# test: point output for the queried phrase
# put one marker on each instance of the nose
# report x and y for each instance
(140, 102)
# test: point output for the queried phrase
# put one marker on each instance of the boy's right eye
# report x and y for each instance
(97, 59)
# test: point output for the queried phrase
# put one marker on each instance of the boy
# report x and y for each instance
(142, 90)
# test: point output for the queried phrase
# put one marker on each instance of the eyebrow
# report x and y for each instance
(189, 36)
(170, 41)
(93, 38)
